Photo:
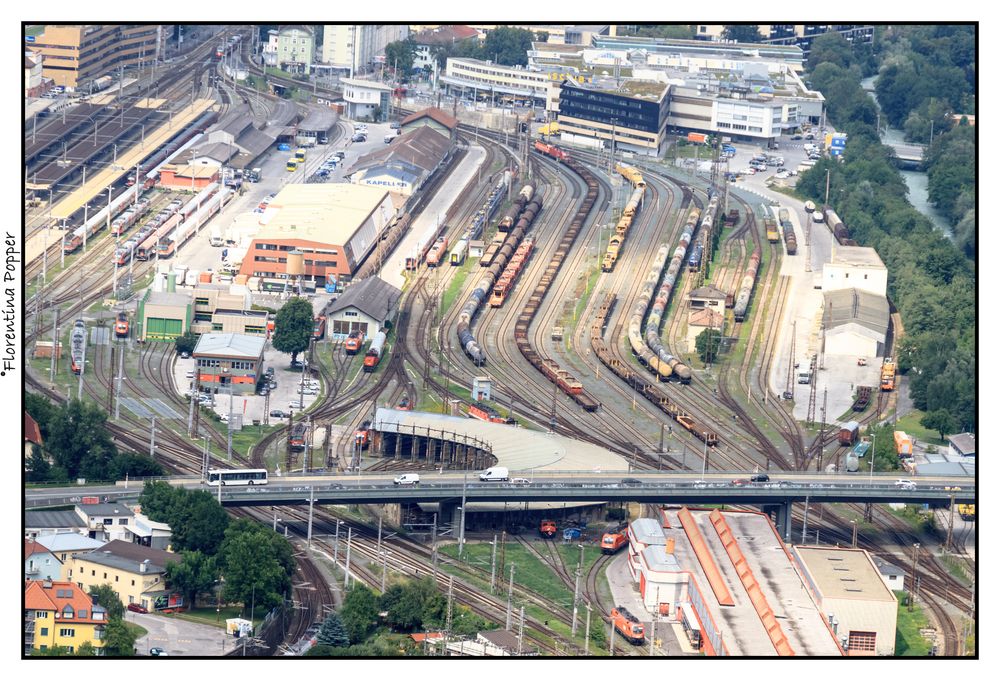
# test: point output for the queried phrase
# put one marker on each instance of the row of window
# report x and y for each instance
(232, 364)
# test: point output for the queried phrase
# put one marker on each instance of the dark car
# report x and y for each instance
(359, 138)
(796, 137)
(135, 607)
(158, 652)
(631, 482)
(760, 477)
(277, 413)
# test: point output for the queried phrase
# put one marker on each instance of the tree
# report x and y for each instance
(941, 421)
(54, 651)
(198, 523)
(42, 410)
(79, 441)
(86, 649)
(742, 33)
(193, 574)
(360, 612)
(119, 641)
(133, 465)
(707, 343)
(108, 599)
(830, 47)
(668, 31)
(158, 499)
(38, 466)
(508, 46)
(293, 327)
(186, 342)
(399, 55)
(257, 563)
(333, 633)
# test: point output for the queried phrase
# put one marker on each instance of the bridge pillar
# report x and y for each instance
(398, 453)
(414, 447)
(782, 519)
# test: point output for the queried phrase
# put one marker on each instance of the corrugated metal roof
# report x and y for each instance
(657, 558)
(648, 531)
(708, 291)
(255, 142)
(53, 519)
(948, 468)
(855, 306)
(318, 119)
(68, 541)
(964, 443)
(229, 345)
(372, 295)
(234, 122)
(421, 147)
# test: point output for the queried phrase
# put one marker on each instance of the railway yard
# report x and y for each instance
(576, 315)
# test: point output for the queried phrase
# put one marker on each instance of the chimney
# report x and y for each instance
(144, 566)
(670, 545)
(47, 584)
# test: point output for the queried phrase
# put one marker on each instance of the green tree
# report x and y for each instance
(508, 45)
(333, 633)
(321, 650)
(597, 635)
(38, 467)
(54, 651)
(158, 499)
(133, 465)
(707, 343)
(360, 612)
(108, 599)
(940, 421)
(186, 342)
(830, 47)
(86, 649)
(198, 523)
(119, 641)
(257, 563)
(666, 31)
(41, 409)
(80, 442)
(399, 55)
(194, 574)
(293, 327)
(742, 33)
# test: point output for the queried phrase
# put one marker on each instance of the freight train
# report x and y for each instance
(746, 287)
(694, 261)
(505, 284)
(649, 390)
(510, 217)
(297, 436)
(484, 289)
(770, 224)
(375, 352)
(78, 347)
(549, 368)
(628, 626)
(836, 226)
(628, 215)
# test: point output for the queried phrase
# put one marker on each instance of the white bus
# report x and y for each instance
(237, 476)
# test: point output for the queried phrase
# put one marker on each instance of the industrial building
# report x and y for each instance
(631, 113)
(856, 323)
(357, 48)
(366, 100)
(364, 306)
(229, 360)
(434, 118)
(75, 55)
(217, 309)
(163, 315)
(848, 590)
(407, 163)
(334, 226)
(857, 267)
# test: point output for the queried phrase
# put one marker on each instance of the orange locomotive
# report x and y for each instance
(121, 325)
(627, 625)
(353, 343)
(614, 539)
(547, 529)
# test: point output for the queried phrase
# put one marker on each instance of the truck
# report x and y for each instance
(215, 239)
(495, 474)
(904, 444)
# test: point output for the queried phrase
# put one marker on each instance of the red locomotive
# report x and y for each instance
(551, 150)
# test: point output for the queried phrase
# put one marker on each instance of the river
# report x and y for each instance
(916, 180)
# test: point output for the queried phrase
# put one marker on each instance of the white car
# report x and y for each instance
(749, 170)
(407, 479)
(906, 484)
(783, 175)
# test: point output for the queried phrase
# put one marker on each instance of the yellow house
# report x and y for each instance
(61, 614)
(135, 572)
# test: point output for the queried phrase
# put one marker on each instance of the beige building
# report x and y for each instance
(75, 55)
(857, 267)
(356, 48)
(698, 321)
(848, 590)
(296, 45)
(163, 315)
(856, 323)
(135, 572)
(32, 73)
(218, 310)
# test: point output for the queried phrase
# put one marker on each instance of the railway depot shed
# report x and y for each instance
(848, 589)
(856, 322)
(433, 118)
(365, 306)
(335, 226)
(163, 315)
(405, 164)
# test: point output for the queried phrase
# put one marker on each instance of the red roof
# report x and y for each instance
(437, 114)
(31, 431)
(55, 596)
(33, 547)
(443, 35)
(429, 636)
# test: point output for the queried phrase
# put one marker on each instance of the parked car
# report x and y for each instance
(185, 355)
(796, 137)
(278, 414)
(135, 607)
(359, 138)
(158, 652)
(760, 477)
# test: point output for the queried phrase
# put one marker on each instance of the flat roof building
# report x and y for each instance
(163, 315)
(848, 589)
(75, 55)
(855, 267)
(365, 99)
(335, 226)
(357, 48)
(633, 113)
(229, 359)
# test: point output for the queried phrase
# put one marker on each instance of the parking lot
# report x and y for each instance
(179, 638)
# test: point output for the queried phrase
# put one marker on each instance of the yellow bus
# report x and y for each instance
(300, 155)
(292, 165)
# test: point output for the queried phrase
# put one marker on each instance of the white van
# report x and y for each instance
(495, 474)
(407, 479)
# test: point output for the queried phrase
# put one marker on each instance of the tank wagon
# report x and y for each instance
(484, 289)
(746, 287)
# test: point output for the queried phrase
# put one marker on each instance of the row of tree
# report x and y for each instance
(77, 444)
(254, 563)
(504, 45)
(408, 605)
(930, 282)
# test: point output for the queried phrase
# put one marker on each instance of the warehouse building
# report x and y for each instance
(334, 226)
(407, 163)
(848, 590)
(963, 444)
(631, 113)
(365, 306)
(433, 118)
(856, 323)
(316, 126)
(855, 267)
(229, 360)
(163, 315)
(75, 55)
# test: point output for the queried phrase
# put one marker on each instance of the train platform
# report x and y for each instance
(434, 212)
(98, 181)
(519, 449)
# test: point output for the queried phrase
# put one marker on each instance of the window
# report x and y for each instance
(123, 521)
(116, 578)
(45, 631)
(41, 615)
(861, 641)
(81, 614)
(133, 584)
(105, 575)
(67, 633)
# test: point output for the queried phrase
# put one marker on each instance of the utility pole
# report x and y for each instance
(347, 565)
(805, 520)
(510, 595)
(520, 634)
(309, 528)
(611, 646)
(451, 600)
(152, 437)
(951, 521)
(586, 635)
(493, 567)
(913, 576)
(576, 590)
(385, 562)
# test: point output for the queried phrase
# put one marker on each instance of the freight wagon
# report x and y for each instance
(848, 434)
(863, 399)
(459, 252)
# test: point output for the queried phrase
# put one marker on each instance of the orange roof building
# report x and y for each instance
(61, 614)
